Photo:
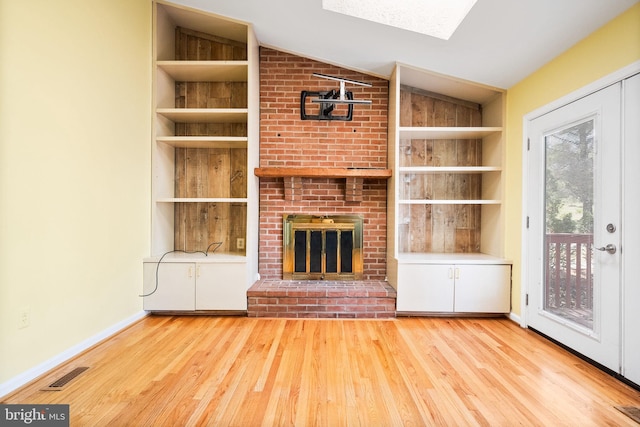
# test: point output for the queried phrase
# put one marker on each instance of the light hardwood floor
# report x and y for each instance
(225, 371)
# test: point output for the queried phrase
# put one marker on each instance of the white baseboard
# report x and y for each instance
(31, 374)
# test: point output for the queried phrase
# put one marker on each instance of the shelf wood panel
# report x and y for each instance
(202, 200)
(204, 141)
(447, 132)
(204, 115)
(449, 202)
(440, 143)
(449, 169)
(205, 71)
(197, 225)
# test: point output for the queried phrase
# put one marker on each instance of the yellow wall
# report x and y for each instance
(606, 50)
(74, 171)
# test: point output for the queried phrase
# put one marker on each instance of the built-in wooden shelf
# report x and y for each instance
(447, 132)
(205, 71)
(204, 141)
(449, 169)
(302, 172)
(293, 188)
(449, 202)
(204, 115)
(201, 200)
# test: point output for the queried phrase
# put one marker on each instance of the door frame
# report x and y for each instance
(589, 89)
(630, 249)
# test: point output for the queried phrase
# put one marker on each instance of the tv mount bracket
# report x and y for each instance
(329, 99)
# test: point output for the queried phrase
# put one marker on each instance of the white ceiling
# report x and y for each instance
(499, 43)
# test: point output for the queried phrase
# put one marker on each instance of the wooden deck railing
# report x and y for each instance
(569, 278)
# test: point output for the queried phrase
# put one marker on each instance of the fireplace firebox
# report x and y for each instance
(322, 247)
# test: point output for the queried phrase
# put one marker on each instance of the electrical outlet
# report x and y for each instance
(240, 243)
(25, 317)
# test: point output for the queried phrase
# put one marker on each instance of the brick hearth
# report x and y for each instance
(322, 299)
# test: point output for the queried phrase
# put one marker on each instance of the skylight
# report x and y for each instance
(436, 18)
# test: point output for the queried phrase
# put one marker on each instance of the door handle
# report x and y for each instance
(611, 248)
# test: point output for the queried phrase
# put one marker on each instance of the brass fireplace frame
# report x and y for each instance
(309, 223)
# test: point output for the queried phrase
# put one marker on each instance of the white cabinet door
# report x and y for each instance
(172, 288)
(221, 287)
(451, 288)
(482, 288)
(425, 287)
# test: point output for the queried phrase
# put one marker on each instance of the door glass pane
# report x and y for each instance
(331, 251)
(315, 252)
(300, 251)
(346, 251)
(569, 177)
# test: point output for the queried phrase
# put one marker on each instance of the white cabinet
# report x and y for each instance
(482, 288)
(425, 288)
(454, 288)
(218, 287)
(174, 288)
(187, 286)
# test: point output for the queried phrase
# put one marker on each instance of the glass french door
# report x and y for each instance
(574, 206)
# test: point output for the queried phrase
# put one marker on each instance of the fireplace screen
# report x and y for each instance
(322, 247)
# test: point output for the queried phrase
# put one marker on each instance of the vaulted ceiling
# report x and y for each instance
(499, 43)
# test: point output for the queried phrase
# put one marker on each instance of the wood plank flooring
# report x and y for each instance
(238, 371)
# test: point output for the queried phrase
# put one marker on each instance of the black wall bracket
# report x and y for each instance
(326, 108)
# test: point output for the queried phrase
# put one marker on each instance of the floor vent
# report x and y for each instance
(65, 379)
(632, 412)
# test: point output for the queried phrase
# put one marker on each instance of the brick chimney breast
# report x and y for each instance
(288, 141)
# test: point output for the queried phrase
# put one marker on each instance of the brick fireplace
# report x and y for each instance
(321, 148)
(321, 169)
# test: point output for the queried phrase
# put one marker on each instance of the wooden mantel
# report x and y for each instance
(354, 178)
(281, 172)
